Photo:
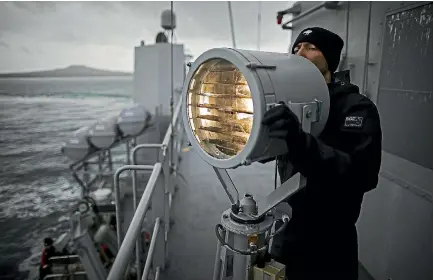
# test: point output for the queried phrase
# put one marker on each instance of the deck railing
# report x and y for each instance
(159, 191)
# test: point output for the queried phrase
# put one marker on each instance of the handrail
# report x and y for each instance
(63, 275)
(131, 237)
(163, 147)
(143, 146)
(146, 195)
(64, 257)
(122, 258)
(151, 249)
(135, 150)
(157, 273)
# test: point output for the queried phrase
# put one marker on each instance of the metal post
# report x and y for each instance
(134, 178)
(134, 152)
(80, 182)
(259, 25)
(157, 273)
(128, 153)
(86, 178)
(148, 191)
(122, 258)
(365, 68)
(167, 194)
(151, 248)
(109, 153)
(231, 21)
(217, 262)
(158, 211)
(100, 171)
(241, 262)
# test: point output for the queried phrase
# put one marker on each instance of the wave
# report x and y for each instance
(66, 94)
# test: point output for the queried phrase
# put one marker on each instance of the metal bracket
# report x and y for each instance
(280, 194)
(308, 113)
(295, 10)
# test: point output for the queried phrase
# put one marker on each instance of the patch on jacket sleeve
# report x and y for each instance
(353, 122)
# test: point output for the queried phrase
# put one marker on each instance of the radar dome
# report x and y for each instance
(161, 38)
(168, 20)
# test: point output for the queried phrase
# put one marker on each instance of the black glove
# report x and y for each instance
(283, 123)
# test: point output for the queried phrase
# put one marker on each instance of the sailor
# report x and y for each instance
(341, 165)
(48, 252)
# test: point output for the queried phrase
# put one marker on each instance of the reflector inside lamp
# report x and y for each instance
(220, 108)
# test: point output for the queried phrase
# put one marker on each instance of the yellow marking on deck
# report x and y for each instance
(186, 149)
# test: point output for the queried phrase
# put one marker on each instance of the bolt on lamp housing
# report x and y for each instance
(227, 93)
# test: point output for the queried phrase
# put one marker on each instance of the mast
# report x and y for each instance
(259, 25)
(231, 22)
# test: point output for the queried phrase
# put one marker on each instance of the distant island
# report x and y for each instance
(70, 71)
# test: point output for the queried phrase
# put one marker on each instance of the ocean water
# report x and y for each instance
(36, 187)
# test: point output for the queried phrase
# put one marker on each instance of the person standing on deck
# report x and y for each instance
(47, 252)
(320, 241)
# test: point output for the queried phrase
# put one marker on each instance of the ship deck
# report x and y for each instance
(196, 209)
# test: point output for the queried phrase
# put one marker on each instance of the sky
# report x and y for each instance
(48, 35)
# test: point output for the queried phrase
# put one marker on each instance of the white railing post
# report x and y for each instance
(154, 240)
(158, 212)
(124, 254)
(160, 148)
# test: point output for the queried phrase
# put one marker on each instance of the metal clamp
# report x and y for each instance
(308, 112)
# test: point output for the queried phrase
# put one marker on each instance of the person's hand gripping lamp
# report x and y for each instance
(225, 97)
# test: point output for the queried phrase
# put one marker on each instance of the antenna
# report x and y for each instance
(231, 22)
(259, 25)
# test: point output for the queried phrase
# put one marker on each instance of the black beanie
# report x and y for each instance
(329, 43)
(48, 241)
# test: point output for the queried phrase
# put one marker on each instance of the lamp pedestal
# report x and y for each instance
(243, 242)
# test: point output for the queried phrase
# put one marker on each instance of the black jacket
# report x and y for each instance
(340, 165)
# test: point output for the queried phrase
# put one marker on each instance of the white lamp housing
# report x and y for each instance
(134, 120)
(77, 146)
(104, 133)
(227, 93)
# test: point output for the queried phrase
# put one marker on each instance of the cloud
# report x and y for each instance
(25, 50)
(3, 44)
(42, 35)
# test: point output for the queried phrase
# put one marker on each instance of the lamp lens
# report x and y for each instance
(220, 108)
